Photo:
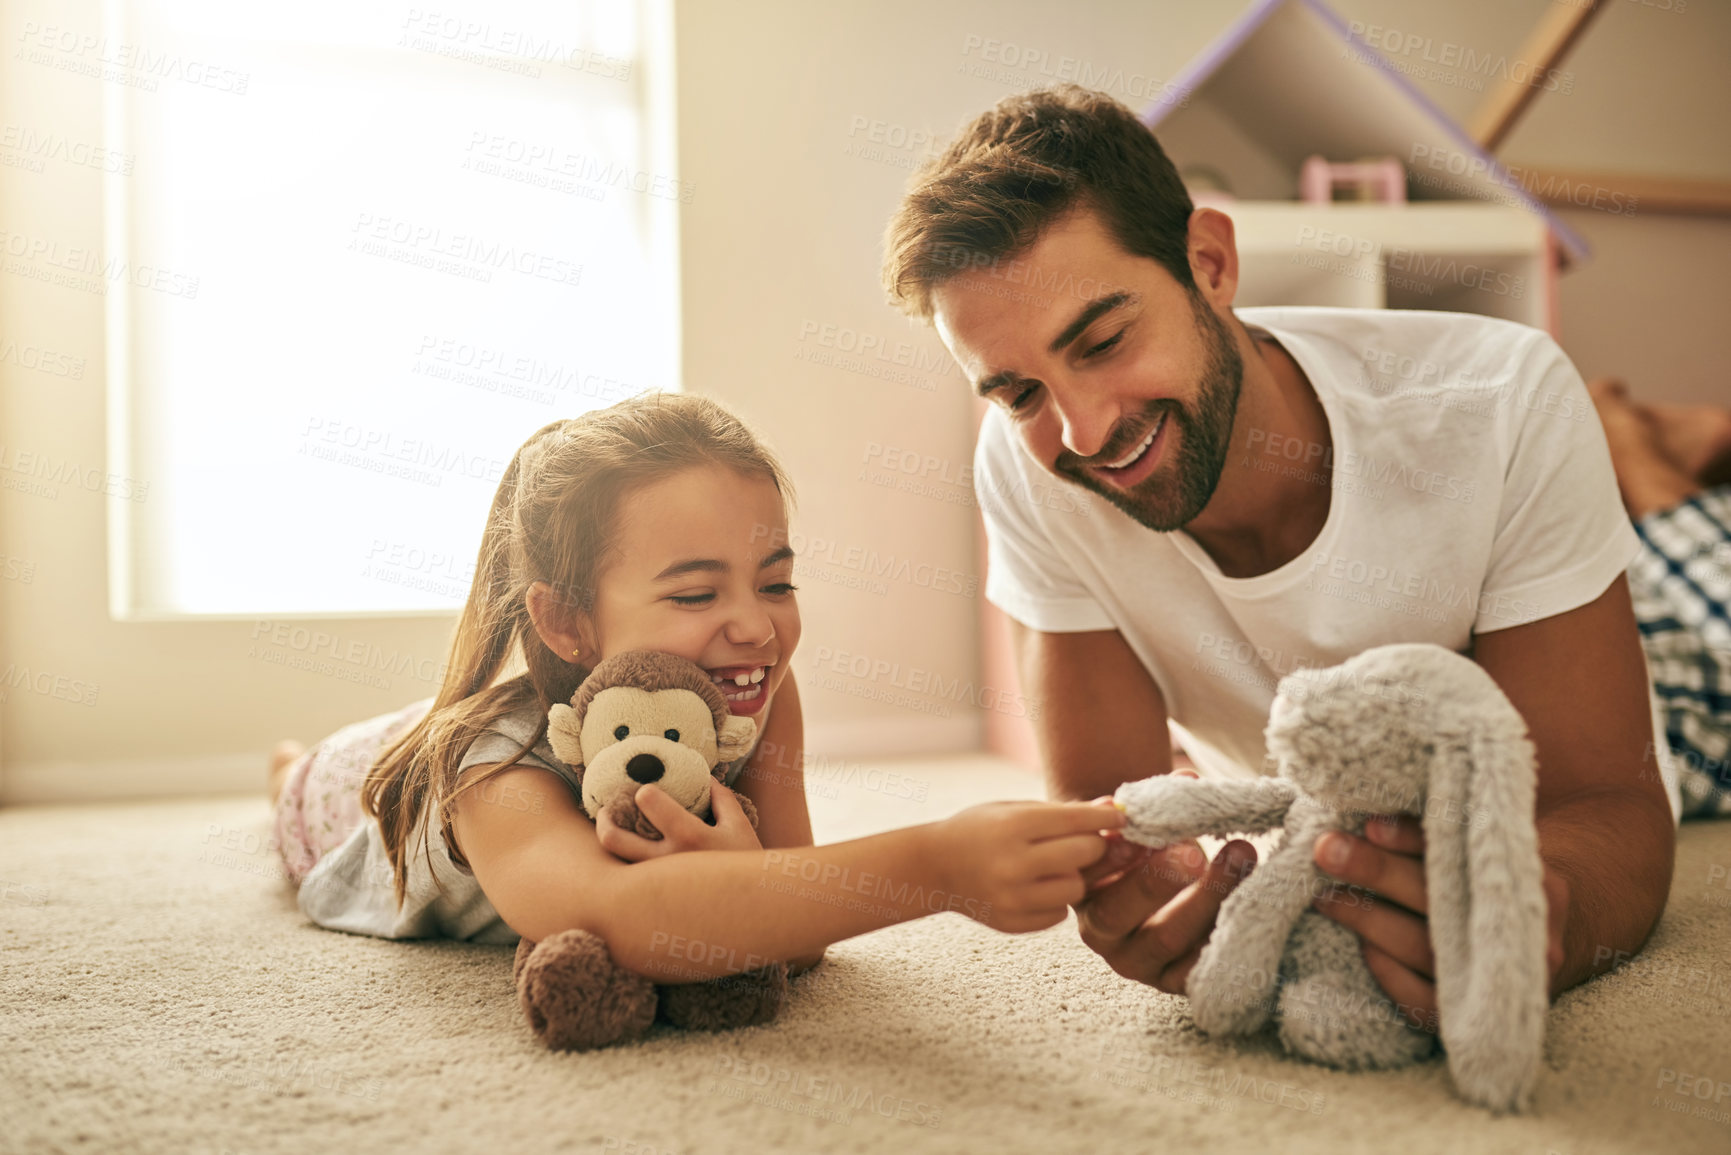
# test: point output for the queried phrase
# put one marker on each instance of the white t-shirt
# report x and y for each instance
(1472, 491)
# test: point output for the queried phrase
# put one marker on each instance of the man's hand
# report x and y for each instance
(1388, 907)
(1149, 913)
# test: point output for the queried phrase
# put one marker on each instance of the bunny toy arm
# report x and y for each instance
(1163, 809)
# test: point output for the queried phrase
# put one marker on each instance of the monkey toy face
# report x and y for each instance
(644, 718)
(634, 738)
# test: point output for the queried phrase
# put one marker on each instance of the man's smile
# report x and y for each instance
(1139, 462)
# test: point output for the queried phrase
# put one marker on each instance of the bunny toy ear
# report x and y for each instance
(1487, 909)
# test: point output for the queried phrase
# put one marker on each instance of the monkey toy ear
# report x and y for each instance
(565, 735)
(734, 738)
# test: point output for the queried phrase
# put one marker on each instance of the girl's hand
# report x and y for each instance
(1017, 866)
(680, 829)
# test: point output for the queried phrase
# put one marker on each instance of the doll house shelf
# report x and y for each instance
(1289, 80)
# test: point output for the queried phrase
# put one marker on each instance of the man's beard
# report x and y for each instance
(1166, 503)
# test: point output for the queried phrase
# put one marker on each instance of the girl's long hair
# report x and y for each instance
(552, 520)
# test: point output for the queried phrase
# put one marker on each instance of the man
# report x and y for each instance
(1279, 488)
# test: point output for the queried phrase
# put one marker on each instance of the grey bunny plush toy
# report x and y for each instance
(1414, 729)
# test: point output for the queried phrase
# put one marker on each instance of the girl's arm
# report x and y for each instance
(774, 780)
(701, 914)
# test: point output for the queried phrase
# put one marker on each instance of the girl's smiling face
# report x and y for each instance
(700, 568)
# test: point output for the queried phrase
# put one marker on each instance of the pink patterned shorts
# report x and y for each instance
(320, 804)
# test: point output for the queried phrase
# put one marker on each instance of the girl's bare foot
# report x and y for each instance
(1648, 479)
(282, 756)
(1697, 438)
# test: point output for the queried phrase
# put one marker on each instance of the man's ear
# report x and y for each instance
(561, 625)
(1213, 252)
(734, 738)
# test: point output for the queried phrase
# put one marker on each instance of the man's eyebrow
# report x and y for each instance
(1089, 315)
(692, 565)
(996, 381)
(779, 555)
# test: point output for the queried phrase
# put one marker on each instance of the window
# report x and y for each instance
(363, 253)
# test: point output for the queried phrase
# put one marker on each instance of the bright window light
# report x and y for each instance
(370, 249)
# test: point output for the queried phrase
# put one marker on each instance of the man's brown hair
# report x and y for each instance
(1028, 160)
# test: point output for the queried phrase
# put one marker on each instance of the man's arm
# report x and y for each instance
(1580, 681)
(1101, 723)
(1606, 835)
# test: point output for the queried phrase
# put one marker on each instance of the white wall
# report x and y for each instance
(780, 250)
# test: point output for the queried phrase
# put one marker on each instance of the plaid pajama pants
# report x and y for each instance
(1681, 587)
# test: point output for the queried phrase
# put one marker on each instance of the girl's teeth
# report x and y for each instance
(757, 674)
(742, 680)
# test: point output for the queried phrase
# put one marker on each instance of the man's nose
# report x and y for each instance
(1087, 421)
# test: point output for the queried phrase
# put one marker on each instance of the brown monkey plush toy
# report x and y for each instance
(639, 718)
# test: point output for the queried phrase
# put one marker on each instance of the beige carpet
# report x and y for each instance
(159, 991)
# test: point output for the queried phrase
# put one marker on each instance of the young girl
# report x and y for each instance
(659, 523)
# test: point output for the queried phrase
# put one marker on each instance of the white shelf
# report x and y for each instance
(1460, 256)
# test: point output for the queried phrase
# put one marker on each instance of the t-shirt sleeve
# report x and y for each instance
(493, 747)
(1027, 575)
(1561, 536)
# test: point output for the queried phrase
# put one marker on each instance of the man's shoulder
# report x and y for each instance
(1392, 327)
(1386, 355)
